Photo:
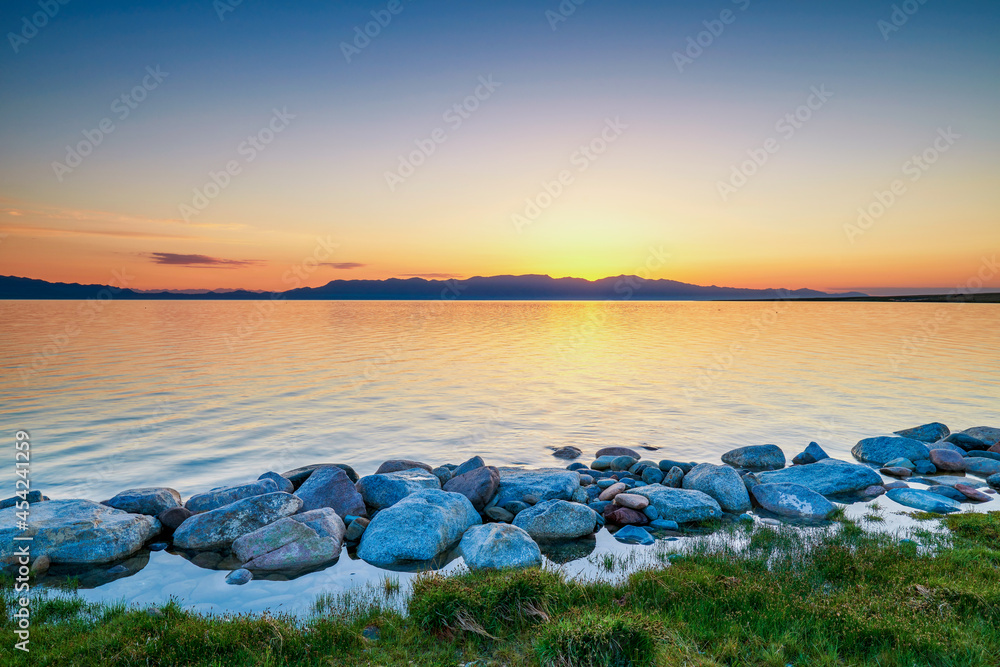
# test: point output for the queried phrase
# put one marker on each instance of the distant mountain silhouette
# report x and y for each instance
(493, 288)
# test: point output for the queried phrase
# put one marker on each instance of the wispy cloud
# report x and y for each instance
(343, 265)
(125, 234)
(202, 261)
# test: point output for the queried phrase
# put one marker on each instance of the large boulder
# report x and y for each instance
(927, 433)
(150, 501)
(498, 546)
(216, 529)
(224, 495)
(293, 543)
(555, 520)
(827, 477)
(722, 483)
(75, 531)
(886, 448)
(383, 490)
(923, 500)
(756, 457)
(396, 465)
(618, 451)
(947, 460)
(988, 434)
(331, 487)
(479, 485)
(680, 505)
(793, 500)
(982, 467)
(417, 528)
(543, 483)
(967, 442)
(298, 476)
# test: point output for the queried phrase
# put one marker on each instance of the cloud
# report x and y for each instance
(343, 265)
(203, 261)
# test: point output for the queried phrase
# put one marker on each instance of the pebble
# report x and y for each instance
(612, 491)
(239, 577)
(631, 501)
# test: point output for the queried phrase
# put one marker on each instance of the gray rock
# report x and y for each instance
(666, 465)
(602, 462)
(721, 483)
(396, 465)
(383, 490)
(923, 500)
(634, 535)
(827, 477)
(901, 463)
(469, 466)
(298, 476)
(949, 492)
(874, 490)
(283, 483)
(224, 495)
(443, 473)
(498, 546)
(568, 453)
(217, 528)
(331, 487)
(479, 485)
(947, 460)
(673, 478)
(944, 444)
(417, 528)
(993, 481)
(172, 518)
(618, 451)
(967, 442)
(622, 463)
(756, 457)
(653, 475)
(31, 498)
(948, 480)
(499, 514)
(356, 529)
(886, 448)
(544, 483)
(76, 532)
(927, 433)
(812, 453)
(793, 500)
(984, 455)
(239, 577)
(924, 468)
(662, 524)
(515, 507)
(150, 501)
(554, 520)
(988, 434)
(681, 505)
(295, 543)
(982, 467)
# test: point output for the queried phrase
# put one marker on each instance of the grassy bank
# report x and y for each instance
(762, 597)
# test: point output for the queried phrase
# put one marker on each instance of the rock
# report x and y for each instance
(545, 483)
(948, 480)
(721, 483)
(298, 476)
(653, 475)
(443, 474)
(923, 500)
(31, 497)
(982, 467)
(624, 516)
(330, 487)
(681, 505)
(949, 492)
(172, 518)
(631, 501)
(149, 501)
(756, 457)
(895, 485)
(224, 495)
(612, 491)
(793, 500)
(827, 477)
(673, 478)
(651, 513)
(994, 448)
(988, 434)
(634, 535)
(924, 468)
(479, 485)
(295, 543)
(515, 506)
(667, 464)
(993, 481)
(944, 444)
(586, 480)
(885, 448)
(578, 466)
(602, 463)
(971, 493)
(468, 466)
(356, 529)
(283, 483)
(383, 490)
(896, 472)
(499, 547)
(41, 564)
(554, 520)
(967, 442)
(901, 463)
(621, 463)
(218, 528)
(499, 514)
(580, 496)
(812, 453)
(984, 454)
(239, 577)
(599, 505)
(927, 433)
(158, 546)
(568, 453)
(618, 451)
(417, 528)
(947, 460)
(662, 524)
(397, 465)
(76, 532)
(873, 491)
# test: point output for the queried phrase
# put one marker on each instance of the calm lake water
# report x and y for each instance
(194, 395)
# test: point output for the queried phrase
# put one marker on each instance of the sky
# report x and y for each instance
(266, 145)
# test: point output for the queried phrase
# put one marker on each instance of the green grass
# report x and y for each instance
(756, 596)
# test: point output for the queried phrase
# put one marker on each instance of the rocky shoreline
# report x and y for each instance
(409, 513)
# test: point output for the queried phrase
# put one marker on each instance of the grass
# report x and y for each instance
(757, 596)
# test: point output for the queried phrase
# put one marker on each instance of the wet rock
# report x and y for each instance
(721, 483)
(218, 528)
(618, 451)
(895, 485)
(673, 478)
(298, 476)
(967, 442)
(581, 467)
(923, 500)
(947, 460)
(499, 514)
(397, 465)
(172, 518)
(681, 505)
(294, 543)
(569, 453)
(634, 535)
(443, 474)
(631, 501)
(982, 467)
(873, 491)
(896, 472)
(756, 457)
(479, 485)
(949, 492)
(944, 444)
(586, 480)
(468, 466)
(150, 501)
(993, 481)
(623, 516)
(224, 495)
(158, 546)
(885, 448)
(812, 453)
(41, 564)
(283, 483)
(622, 463)
(383, 490)
(557, 520)
(417, 528)
(901, 463)
(972, 493)
(948, 480)
(239, 577)
(984, 454)
(76, 531)
(544, 483)
(31, 498)
(652, 475)
(666, 465)
(927, 433)
(827, 477)
(924, 468)
(499, 547)
(330, 487)
(663, 524)
(356, 530)
(988, 434)
(612, 491)
(793, 500)
(602, 463)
